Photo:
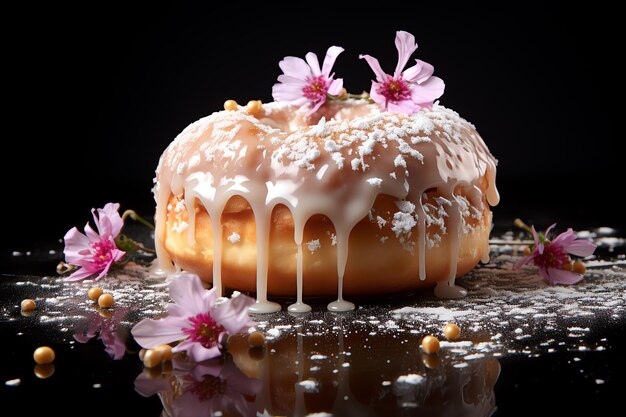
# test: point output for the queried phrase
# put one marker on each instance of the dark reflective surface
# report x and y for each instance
(526, 349)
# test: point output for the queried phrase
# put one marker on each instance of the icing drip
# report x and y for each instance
(299, 306)
(335, 166)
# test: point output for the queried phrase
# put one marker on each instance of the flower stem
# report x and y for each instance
(519, 223)
(133, 215)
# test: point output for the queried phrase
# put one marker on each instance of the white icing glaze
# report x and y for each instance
(335, 165)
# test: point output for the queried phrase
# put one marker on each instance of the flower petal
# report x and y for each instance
(75, 242)
(560, 276)
(91, 234)
(233, 314)
(314, 63)
(405, 44)
(403, 107)
(428, 91)
(523, 261)
(535, 236)
(545, 234)
(151, 333)
(376, 97)
(375, 66)
(334, 89)
(580, 247)
(330, 58)
(288, 92)
(105, 270)
(110, 211)
(82, 273)
(187, 290)
(210, 367)
(540, 248)
(295, 67)
(419, 72)
(147, 386)
(197, 352)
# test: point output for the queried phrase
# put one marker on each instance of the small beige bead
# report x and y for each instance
(28, 304)
(105, 300)
(452, 331)
(44, 371)
(142, 353)
(44, 355)
(152, 358)
(254, 107)
(256, 339)
(94, 293)
(230, 105)
(430, 344)
(579, 267)
(166, 352)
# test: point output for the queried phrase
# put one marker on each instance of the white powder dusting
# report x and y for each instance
(375, 182)
(412, 379)
(13, 382)
(313, 245)
(309, 385)
(234, 238)
(180, 226)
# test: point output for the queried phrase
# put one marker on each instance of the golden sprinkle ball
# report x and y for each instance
(44, 371)
(44, 355)
(256, 339)
(254, 107)
(28, 304)
(452, 331)
(94, 293)
(105, 300)
(430, 344)
(431, 361)
(579, 267)
(152, 358)
(230, 105)
(166, 352)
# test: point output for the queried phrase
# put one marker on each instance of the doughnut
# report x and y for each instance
(349, 201)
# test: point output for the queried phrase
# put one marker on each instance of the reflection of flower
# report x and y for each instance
(196, 318)
(203, 389)
(552, 257)
(105, 328)
(409, 90)
(93, 251)
(304, 83)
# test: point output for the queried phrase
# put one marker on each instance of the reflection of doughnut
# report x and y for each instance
(355, 200)
(445, 390)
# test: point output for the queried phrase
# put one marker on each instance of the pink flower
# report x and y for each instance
(195, 318)
(552, 257)
(93, 251)
(409, 90)
(203, 390)
(304, 83)
(106, 329)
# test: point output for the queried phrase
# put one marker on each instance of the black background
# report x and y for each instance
(93, 99)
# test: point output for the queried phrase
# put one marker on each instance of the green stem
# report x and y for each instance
(133, 215)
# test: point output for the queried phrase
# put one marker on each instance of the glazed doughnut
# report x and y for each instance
(350, 201)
